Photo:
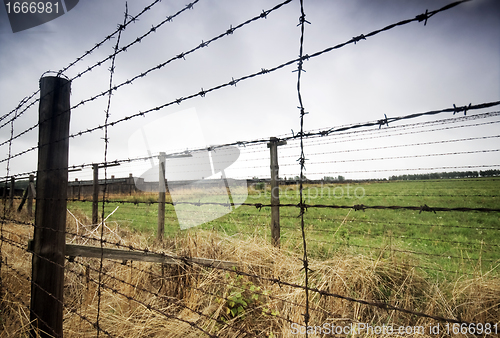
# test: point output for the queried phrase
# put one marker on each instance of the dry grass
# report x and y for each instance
(144, 299)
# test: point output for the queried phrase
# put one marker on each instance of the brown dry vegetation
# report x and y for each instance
(140, 299)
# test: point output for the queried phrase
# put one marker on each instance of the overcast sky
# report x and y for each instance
(453, 59)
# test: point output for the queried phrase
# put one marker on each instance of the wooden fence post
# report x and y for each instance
(28, 195)
(130, 183)
(31, 194)
(23, 199)
(47, 281)
(161, 196)
(4, 194)
(95, 195)
(275, 193)
(79, 186)
(11, 195)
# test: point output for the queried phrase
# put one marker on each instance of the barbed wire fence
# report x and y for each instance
(97, 278)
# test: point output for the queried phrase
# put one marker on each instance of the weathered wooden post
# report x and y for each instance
(46, 308)
(161, 196)
(95, 195)
(4, 194)
(130, 183)
(78, 188)
(23, 199)
(11, 195)
(275, 193)
(31, 194)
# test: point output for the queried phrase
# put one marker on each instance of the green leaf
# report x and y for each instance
(241, 309)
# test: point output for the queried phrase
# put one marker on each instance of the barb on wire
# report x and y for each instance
(358, 38)
(382, 122)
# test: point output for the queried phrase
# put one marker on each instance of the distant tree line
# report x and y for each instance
(334, 179)
(445, 175)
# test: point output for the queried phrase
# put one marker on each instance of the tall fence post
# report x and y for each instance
(47, 281)
(275, 193)
(161, 196)
(95, 195)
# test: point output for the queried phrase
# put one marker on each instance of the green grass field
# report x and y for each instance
(442, 243)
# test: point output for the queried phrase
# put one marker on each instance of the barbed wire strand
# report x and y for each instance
(2, 222)
(121, 28)
(302, 160)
